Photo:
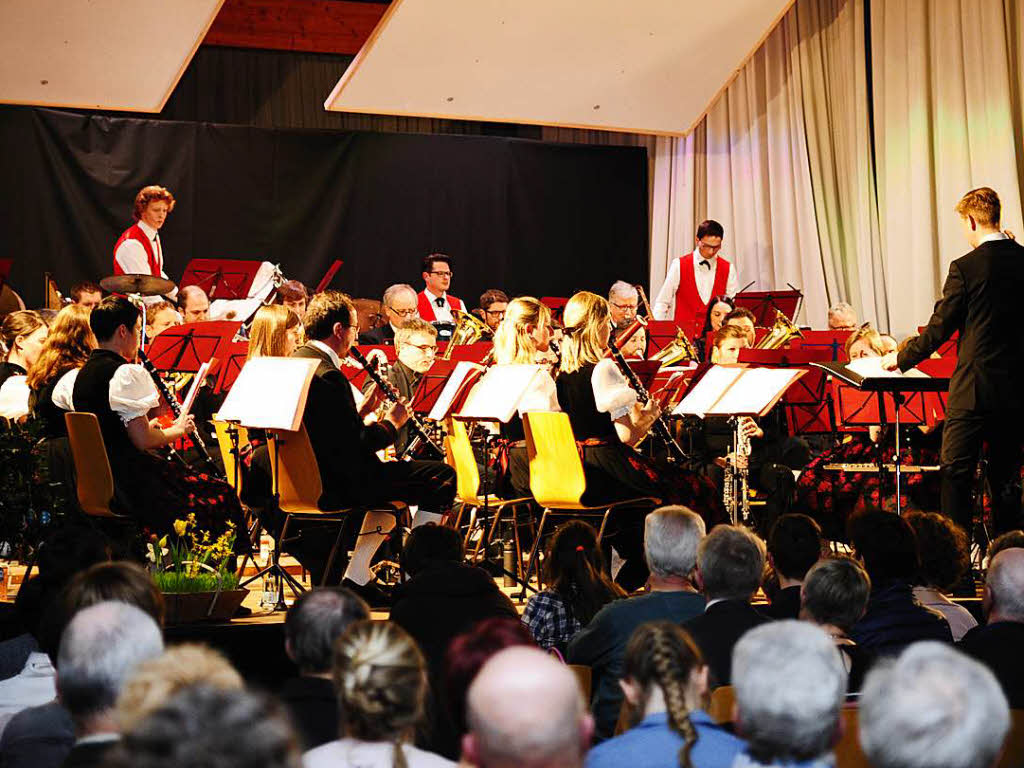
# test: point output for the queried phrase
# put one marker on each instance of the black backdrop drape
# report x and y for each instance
(529, 217)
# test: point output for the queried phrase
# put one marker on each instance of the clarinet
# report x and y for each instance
(416, 425)
(660, 427)
(175, 407)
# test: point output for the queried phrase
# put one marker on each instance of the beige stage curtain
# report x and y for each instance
(816, 190)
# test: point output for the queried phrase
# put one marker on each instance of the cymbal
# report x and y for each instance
(144, 285)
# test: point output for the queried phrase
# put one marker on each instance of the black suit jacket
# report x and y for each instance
(90, 755)
(717, 630)
(998, 647)
(981, 299)
(314, 708)
(344, 447)
(384, 335)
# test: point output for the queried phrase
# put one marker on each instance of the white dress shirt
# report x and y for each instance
(131, 254)
(993, 236)
(35, 685)
(443, 313)
(703, 274)
(326, 350)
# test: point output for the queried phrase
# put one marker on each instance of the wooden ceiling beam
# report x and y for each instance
(316, 26)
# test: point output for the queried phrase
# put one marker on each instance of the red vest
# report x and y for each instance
(690, 308)
(134, 232)
(426, 307)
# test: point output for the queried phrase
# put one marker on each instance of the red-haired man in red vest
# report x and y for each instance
(694, 278)
(434, 302)
(138, 250)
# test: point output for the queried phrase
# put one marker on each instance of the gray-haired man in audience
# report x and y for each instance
(932, 707)
(790, 685)
(525, 710)
(671, 538)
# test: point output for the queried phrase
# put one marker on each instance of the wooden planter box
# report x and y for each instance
(189, 607)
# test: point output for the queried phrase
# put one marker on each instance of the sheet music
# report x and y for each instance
(497, 395)
(193, 391)
(270, 393)
(443, 403)
(871, 368)
(753, 391)
(706, 391)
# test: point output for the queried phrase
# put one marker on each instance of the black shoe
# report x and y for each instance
(370, 592)
(242, 612)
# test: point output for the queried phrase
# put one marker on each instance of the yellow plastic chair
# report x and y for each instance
(94, 482)
(227, 450)
(459, 450)
(557, 479)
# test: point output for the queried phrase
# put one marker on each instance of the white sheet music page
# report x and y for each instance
(754, 391)
(871, 368)
(270, 393)
(496, 396)
(193, 391)
(706, 392)
(443, 404)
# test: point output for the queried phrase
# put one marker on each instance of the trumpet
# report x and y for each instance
(679, 350)
(468, 330)
(783, 331)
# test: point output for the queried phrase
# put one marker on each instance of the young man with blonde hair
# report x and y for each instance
(981, 300)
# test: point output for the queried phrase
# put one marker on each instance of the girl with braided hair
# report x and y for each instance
(381, 680)
(665, 682)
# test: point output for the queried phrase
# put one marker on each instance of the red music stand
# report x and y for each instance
(186, 347)
(434, 383)
(5, 270)
(221, 278)
(764, 304)
(807, 402)
(556, 304)
(472, 353)
(833, 341)
(357, 375)
(328, 275)
(660, 333)
(229, 365)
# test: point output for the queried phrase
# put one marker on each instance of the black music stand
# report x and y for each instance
(222, 278)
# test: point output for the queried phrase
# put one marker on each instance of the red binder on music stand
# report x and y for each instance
(764, 304)
(221, 278)
(186, 347)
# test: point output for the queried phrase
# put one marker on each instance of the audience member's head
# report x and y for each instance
(574, 567)
(203, 727)
(314, 623)
(194, 304)
(842, 317)
(941, 548)
(932, 707)
(661, 658)
(794, 545)
(790, 685)
(835, 593)
(468, 652)
(553, 730)
(1004, 586)
(381, 679)
(122, 582)
(155, 681)
(730, 563)
(886, 545)
(429, 545)
(672, 536)
(86, 294)
(99, 650)
(1007, 540)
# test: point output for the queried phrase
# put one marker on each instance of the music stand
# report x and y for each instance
(328, 275)
(186, 347)
(5, 271)
(557, 306)
(229, 364)
(229, 279)
(902, 407)
(833, 341)
(765, 304)
(660, 333)
(808, 403)
(473, 353)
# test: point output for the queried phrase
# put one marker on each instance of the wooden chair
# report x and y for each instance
(227, 450)
(94, 482)
(585, 677)
(723, 700)
(460, 451)
(557, 479)
(1013, 747)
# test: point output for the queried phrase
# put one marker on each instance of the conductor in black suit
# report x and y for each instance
(981, 299)
(345, 448)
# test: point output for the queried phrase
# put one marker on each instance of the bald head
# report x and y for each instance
(525, 709)
(1004, 586)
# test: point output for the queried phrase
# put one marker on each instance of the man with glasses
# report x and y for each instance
(623, 300)
(435, 304)
(694, 278)
(399, 305)
(492, 307)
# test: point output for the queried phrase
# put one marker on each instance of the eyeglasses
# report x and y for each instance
(495, 312)
(624, 307)
(442, 274)
(426, 349)
(705, 247)
(405, 312)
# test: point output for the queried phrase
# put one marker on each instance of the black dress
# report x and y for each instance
(153, 490)
(8, 369)
(59, 463)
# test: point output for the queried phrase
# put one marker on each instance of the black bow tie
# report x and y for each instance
(439, 301)
(705, 263)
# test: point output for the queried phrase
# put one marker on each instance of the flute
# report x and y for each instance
(660, 427)
(416, 425)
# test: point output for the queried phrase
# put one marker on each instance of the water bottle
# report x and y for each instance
(508, 562)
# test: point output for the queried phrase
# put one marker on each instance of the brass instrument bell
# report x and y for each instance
(783, 331)
(468, 330)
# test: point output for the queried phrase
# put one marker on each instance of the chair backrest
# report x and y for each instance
(556, 470)
(297, 474)
(585, 678)
(467, 476)
(94, 482)
(1013, 747)
(848, 751)
(226, 445)
(723, 700)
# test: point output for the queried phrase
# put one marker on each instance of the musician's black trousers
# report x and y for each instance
(963, 435)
